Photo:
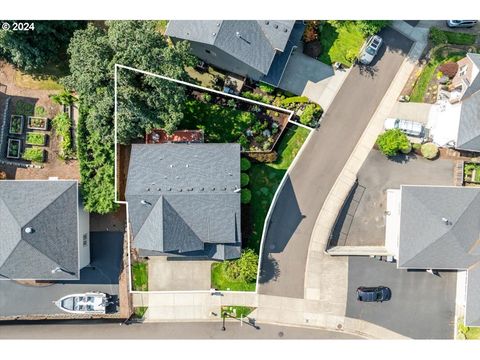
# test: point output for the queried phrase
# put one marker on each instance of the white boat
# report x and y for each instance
(87, 303)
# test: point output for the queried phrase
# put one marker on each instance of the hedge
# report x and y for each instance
(245, 164)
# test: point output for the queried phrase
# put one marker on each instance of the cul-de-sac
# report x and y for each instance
(240, 179)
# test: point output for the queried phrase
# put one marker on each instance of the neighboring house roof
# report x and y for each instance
(184, 199)
(253, 42)
(468, 137)
(440, 229)
(474, 80)
(39, 230)
(447, 237)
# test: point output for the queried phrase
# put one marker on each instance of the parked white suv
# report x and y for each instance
(370, 49)
(409, 127)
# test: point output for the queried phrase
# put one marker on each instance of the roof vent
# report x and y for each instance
(171, 165)
(237, 190)
(446, 221)
(148, 189)
(214, 34)
(145, 202)
(169, 189)
(275, 26)
(237, 34)
(267, 22)
(187, 165)
(213, 189)
(159, 189)
(285, 30)
(201, 189)
(180, 189)
(28, 230)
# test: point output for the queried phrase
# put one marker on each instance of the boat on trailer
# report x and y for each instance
(87, 303)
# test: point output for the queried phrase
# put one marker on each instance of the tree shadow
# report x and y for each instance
(270, 270)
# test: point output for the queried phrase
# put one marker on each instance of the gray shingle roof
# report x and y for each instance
(253, 42)
(447, 235)
(49, 209)
(475, 84)
(183, 197)
(472, 310)
(468, 137)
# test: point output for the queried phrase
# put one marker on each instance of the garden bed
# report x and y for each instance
(140, 276)
(34, 154)
(226, 120)
(471, 173)
(37, 123)
(16, 125)
(34, 138)
(14, 148)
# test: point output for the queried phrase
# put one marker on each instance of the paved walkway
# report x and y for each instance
(317, 285)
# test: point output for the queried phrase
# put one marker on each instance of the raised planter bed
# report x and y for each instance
(471, 173)
(37, 123)
(35, 138)
(16, 125)
(34, 154)
(13, 148)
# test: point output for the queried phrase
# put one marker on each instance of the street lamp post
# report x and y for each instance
(224, 314)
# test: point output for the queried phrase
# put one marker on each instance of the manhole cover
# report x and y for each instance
(280, 334)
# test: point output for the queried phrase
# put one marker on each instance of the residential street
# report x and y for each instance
(178, 330)
(288, 236)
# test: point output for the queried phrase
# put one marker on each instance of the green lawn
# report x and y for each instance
(470, 333)
(459, 38)
(428, 72)
(221, 282)
(340, 45)
(265, 178)
(238, 311)
(221, 124)
(140, 276)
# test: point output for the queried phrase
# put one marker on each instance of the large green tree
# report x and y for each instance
(144, 101)
(32, 50)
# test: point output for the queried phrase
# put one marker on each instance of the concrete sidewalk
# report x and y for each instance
(269, 309)
(322, 269)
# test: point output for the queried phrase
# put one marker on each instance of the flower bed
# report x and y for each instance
(16, 124)
(37, 123)
(471, 172)
(34, 138)
(13, 148)
(34, 154)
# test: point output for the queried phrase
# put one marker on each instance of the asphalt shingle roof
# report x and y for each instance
(440, 229)
(184, 198)
(474, 86)
(253, 42)
(49, 209)
(468, 137)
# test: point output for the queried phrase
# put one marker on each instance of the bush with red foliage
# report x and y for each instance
(311, 31)
(449, 69)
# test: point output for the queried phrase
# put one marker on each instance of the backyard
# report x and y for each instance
(264, 181)
(341, 44)
(426, 85)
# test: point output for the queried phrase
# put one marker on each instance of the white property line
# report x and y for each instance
(272, 204)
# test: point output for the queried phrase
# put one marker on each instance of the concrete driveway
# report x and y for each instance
(362, 220)
(102, 274)
(175, 275)
(411, 111)
(422, 305)
(306, 76)
(288, 236)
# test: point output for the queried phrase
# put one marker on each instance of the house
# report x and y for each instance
(438, 228)
(457, 125)
(44, 230)
(259, 50)
(466, 81)
(184, 200)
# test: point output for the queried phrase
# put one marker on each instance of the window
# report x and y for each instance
(85, 240)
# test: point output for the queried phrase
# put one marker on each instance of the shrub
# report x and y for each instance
(429, 151)
(371, 27)
(256, 97)
(406, 149)
(294, 100)
(207, 97)
(437, 36)
(311, 112)
(245, 164)
(311, 31)
(34, 154)
(269, 157)
(39, 111)
(392, 141)
(244, 269)
(416, 146)
(246, 196)
(266, 88)
(64, 98)
(449, 69)
(244, 179)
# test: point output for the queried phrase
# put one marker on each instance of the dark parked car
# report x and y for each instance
(370, 294)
